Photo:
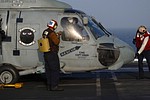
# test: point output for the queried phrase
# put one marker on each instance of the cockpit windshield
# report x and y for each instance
(96, 28)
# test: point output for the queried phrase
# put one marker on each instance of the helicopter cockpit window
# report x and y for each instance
(73, 30)
(95, 29)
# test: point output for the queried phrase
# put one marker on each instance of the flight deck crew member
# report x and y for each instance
(52, 65)
(142, 41)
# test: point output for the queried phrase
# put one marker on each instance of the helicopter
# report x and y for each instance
(85, 44)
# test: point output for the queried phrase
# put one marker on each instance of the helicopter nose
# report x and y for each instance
(127, 53)
(114, 55)
(125, 56)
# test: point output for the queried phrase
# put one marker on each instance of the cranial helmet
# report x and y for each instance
(142, 29)
(70, 19)
(52, 24)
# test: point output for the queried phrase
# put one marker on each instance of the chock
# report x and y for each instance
(16, 85)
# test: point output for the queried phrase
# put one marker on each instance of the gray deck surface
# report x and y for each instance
(97, 85)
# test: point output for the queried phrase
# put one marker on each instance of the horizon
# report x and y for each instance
(118, 14)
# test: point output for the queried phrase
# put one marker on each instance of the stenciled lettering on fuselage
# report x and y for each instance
(69, 51)
(82, 54)
(27, 36)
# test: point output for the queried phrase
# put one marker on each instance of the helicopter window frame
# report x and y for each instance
(73, 30)
(2, 32)
(95, 29)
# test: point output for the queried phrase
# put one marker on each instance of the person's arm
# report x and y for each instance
(55, 38)
(45, 34)
(143, 45)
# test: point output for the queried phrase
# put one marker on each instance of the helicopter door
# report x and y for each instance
(75, 48)
(27, 36)
(2, 32)
(0, 35)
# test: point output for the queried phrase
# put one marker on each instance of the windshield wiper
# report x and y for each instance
(101, 26)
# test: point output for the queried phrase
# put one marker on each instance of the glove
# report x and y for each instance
(134, 41)
(136, 55)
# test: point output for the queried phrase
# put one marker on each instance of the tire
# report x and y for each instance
(8, 74)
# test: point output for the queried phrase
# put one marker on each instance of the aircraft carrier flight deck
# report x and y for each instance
(97, 85)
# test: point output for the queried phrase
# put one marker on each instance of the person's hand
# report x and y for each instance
(134, 41)
(137, 54)
(44, 36)
(59, 33)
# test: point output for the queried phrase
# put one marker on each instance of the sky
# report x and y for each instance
(116, 13)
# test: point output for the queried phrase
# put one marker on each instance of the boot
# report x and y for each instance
(56, 88)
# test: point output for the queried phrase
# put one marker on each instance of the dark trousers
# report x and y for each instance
(52, 68)
(144, 54)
